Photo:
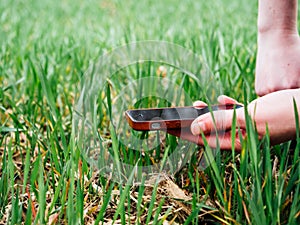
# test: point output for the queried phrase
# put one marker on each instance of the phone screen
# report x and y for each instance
(184, 113)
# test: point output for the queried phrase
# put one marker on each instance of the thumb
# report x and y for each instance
(212, 122)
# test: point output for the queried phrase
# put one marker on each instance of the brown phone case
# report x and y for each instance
(168, 118)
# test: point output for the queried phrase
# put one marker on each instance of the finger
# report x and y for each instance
(212, 122)
(174, 132)
(223, 140)
(224, 100)
(184, 133)
(211, 139)
(199, 104)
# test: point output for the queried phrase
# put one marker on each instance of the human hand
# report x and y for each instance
(212, 133)
(275, 110)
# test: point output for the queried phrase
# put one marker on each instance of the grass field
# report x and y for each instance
(48, 51)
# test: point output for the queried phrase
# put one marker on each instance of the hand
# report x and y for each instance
(205, 124)
(275, 110)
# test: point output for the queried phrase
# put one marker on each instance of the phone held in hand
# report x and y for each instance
(169, 118)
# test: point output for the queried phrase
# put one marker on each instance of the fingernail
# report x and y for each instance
(196, 128)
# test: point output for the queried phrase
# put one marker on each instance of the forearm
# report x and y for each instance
(277, 14)
(276, 110)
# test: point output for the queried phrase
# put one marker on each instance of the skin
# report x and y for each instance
(277, 79)
(275, 110)
(278, 53)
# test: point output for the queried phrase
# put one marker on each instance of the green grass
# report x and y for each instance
(46, 49)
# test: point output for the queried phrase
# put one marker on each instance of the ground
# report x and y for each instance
(47, 51)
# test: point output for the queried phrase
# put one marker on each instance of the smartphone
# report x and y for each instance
(168, 118)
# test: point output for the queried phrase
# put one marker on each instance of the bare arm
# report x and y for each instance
(277, 15)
